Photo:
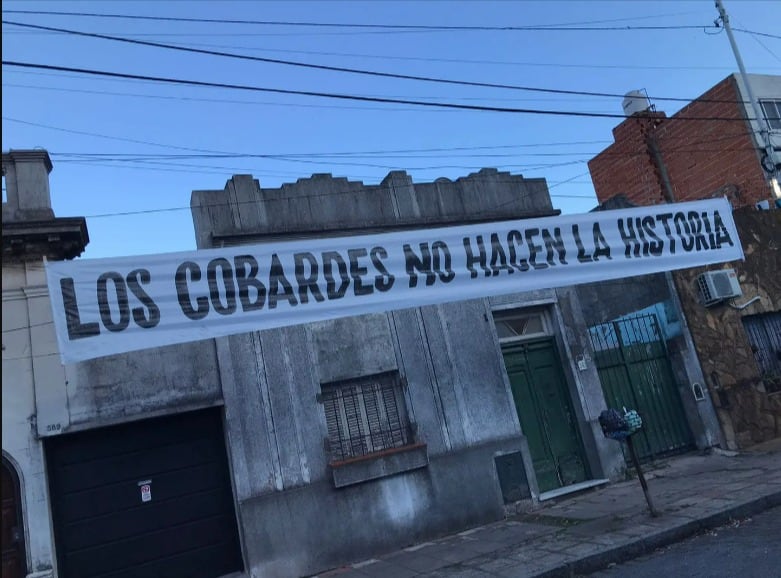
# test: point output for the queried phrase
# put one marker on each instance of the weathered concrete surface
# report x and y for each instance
(325, 205)
(611, 299)
(457, 396)
(142, 384)
(322, 526)
(392, 463)
(26, 175)
(586, 533)
(276, 432)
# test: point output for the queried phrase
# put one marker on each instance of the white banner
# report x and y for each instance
(107, 306)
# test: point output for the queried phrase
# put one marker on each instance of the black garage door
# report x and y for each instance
(147, 499)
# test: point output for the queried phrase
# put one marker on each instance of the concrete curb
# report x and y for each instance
(642, 546)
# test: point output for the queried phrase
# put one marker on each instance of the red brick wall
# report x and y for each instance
(626, 166)
(703, 158)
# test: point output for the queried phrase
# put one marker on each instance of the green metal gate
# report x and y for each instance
(635, 372)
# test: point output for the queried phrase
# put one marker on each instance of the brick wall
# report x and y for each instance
(703, 158)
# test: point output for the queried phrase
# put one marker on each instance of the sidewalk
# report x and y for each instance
(585, 533)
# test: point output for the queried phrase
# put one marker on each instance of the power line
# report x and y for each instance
(153, 161)
(755, 33)
(328, 160)
(154, 165)
(288, 199)
(197, 153)
(282, 199)
(372, 188)
(468, 60)
(223, 154)
(218, 169)
(358, 164)
(117, 138)
(377, 152)
(481, 108)
(274, 103)
(414, 96)
(324, 158)
(342, 69)
(143, 160)
(200, 169)
(266, 103)
(246, 34)
(371, 152)
(218, 100)
(367, 189)
(573, 26)
(397, 153)
(763, 45)
(501, 205)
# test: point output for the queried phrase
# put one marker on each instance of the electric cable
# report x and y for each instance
(342, 69)
(269, 103)
(243, 87)
(755, 33)
(575, 26)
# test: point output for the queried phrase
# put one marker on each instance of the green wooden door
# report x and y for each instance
(545, 412)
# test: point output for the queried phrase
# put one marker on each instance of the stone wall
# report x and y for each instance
(748, 413)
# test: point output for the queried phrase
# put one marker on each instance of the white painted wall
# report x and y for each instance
(765, 87)
(28, 343)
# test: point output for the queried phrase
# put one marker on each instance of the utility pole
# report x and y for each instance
(773, 163)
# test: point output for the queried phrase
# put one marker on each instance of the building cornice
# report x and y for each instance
(56, 239)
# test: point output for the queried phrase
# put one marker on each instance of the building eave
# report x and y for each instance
(56, 239)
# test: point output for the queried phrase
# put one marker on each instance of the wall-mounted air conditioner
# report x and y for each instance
(716, 286)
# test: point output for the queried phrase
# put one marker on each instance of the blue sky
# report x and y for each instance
(77, 117)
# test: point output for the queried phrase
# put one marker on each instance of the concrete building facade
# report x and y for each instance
(290, 451)
(466, 455)
(30, 356)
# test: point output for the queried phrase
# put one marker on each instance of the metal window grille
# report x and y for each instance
(764, 335)
(365, 416)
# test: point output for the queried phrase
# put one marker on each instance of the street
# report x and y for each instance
(747, 547)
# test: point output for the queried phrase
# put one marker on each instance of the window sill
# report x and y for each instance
(382, 464)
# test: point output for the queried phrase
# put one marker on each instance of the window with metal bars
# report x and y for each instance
(764, 335)
(365, 415)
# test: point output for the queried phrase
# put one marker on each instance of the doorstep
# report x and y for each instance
(588, 484)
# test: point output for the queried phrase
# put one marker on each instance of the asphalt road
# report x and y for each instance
(747, 548)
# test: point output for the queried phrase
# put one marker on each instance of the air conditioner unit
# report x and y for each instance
(716, 286)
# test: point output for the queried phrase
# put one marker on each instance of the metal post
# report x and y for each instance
(643, 483)
(760, 117)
